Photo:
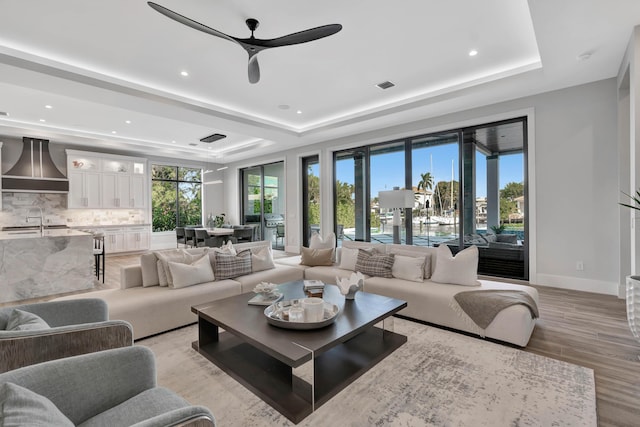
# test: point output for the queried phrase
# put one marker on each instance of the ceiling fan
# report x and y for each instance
(252, 45)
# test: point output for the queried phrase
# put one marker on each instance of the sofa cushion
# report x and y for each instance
(149, 268)
(20, 406)
(459, 270)
(507, 238)
(164, 257)
(408, 268)
(261, 258)
(314, 257)
(184, 275)
(141, 407)
(20, 320)
(228, 266)
(375, 264)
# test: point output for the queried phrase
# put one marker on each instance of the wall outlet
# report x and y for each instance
(579, 265)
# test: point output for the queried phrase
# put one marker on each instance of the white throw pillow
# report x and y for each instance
(408, 268)
(261, 259)
(459, 270)
(164, 257)
(191, 274)
(348, 258)
(416, 254)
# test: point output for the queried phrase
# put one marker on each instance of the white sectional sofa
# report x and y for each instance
(153, 309)
(433, 302)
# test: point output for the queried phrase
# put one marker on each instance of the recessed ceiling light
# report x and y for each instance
(42, 120)
(113, 132)
(299, 112)
(128, 122)
(473, 52)
(48, 107)
(173, 142)
(209, 148)
(184, 73)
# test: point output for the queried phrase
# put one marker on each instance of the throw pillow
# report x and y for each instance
(228, 266)
(459, 270)
(348, 258)
(197, 272)
(22, 407)
(20, 320)
(408, 268)
(329, 242)
(164, 257)
(314, 257)
(375, 264)
(262, 259)
(416, 254)
(149, 267)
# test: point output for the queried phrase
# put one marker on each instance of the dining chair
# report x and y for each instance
(190, 237)
(280, 234)
(201, 238)
(180, 236)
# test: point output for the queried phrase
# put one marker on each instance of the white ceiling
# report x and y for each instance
(99, 64)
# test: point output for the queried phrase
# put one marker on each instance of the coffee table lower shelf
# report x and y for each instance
(273, 381)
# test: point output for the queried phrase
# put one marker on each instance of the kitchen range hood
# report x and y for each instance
(35, 171)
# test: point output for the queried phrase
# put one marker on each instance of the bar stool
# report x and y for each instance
(99, 254)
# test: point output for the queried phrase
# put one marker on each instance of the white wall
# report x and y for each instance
(574, 180)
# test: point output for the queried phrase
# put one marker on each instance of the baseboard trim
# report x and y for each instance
(577, 284)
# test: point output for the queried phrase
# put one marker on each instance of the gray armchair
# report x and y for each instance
(109, 388)
(75, 327)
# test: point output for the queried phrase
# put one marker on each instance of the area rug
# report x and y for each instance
(438, 378)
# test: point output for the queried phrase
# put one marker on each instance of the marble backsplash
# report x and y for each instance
(15, 207)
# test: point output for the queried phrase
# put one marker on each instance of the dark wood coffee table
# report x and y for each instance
(264, 358)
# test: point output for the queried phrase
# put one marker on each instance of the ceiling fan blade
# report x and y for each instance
(300, 37)
(190, 22)
(254, 69)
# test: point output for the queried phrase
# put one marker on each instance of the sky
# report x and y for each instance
(387, 170)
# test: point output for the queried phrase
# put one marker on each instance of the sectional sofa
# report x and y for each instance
(152, 308)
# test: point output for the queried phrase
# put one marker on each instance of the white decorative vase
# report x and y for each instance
(352, 292)
(633, 305)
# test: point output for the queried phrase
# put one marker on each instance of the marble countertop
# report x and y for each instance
(32, 234)
(91, 227)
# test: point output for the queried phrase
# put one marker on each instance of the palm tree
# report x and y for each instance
(425, 183)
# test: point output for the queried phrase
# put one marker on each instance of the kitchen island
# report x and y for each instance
(35, 263)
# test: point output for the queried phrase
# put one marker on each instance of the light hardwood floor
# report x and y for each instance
(578, 327)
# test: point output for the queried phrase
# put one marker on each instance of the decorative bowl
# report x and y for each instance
(277, 315)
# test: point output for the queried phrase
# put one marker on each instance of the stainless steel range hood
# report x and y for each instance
(35, 171)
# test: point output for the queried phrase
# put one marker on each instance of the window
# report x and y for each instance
(310, 197)
(176, 197)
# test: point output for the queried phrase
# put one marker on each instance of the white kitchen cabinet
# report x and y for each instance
(114, 240)
(84, 189)
(138, 239)
(116, 191)
(106, 181)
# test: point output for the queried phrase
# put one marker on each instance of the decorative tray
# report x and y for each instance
(278, 313)
(269, 299)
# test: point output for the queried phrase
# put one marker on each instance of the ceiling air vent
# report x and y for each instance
(385, 85)
(214, 137)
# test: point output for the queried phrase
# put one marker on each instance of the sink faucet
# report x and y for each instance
(40, 217)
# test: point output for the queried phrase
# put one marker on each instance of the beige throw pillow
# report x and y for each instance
(191, 274)
(149, 267)
(329, 242)
(459, 270)
(415, 254)
(315, 257)
(408, 268)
